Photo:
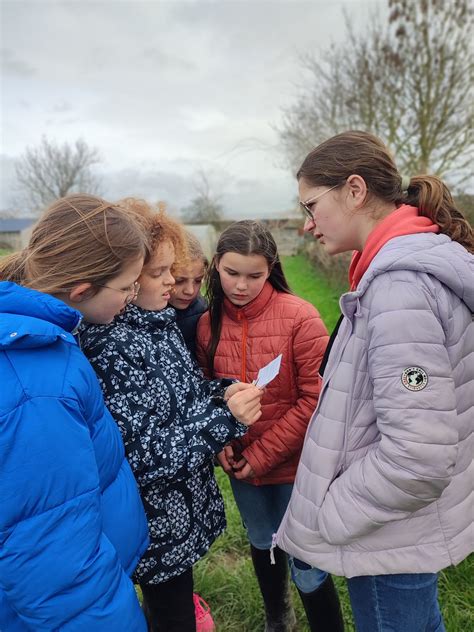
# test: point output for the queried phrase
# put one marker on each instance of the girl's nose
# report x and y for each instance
(241, 284)
(188, 289)
(309, 225)
(169, 279)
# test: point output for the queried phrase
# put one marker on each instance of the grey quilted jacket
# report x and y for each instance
(385, 481)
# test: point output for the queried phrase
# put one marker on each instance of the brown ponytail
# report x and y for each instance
(434, 200)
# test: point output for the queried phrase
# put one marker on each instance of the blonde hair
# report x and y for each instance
(195, 249)
(159, 226)
(194, 253)
(79, 238)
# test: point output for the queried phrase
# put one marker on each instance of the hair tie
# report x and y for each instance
(405, 183)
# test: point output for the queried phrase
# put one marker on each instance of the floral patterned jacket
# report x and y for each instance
(172, 423)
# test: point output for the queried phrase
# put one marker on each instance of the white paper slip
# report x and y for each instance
(268, 372)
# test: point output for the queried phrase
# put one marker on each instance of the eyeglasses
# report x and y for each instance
(131, 291)
(305, 205)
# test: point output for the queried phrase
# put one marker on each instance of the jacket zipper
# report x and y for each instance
(243, 366)
(345, 331)
(344, 340)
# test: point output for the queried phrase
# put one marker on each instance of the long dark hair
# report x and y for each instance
(246, 237)
(334, 160)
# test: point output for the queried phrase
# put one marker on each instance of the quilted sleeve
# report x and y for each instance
(163, 443)
(285, 437)
(415, 414)
(202, 340)
(58, 571)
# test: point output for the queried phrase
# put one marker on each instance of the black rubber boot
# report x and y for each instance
(322, 608)
(169, 606)
(275, 589)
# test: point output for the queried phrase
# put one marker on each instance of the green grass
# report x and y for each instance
(4, 251)
(225, 577)
(306, 282)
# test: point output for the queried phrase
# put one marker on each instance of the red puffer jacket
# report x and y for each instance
(252, 336)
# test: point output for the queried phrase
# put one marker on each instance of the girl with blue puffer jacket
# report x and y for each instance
(72, 525)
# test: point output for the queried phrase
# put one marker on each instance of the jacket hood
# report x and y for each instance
(33, 319)
(428, 253)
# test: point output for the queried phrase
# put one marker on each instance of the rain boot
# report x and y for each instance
(275, 589)
(322, 608)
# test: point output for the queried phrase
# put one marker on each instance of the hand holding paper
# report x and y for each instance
(244, 402)
(268, 372)
(244, 399)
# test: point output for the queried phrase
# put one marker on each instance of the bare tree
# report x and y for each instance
(205, 207)
(50, 171)
(408, 81)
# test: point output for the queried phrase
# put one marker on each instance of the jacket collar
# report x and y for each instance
(406, 220)
(145, 318)
(198, 306)
(426, 253)
(23, 301)
(33, 319)
(252, 309)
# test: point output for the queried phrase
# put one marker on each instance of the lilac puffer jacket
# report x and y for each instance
(385, 481)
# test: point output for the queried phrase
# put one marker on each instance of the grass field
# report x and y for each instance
(305, 282)
(225, 577)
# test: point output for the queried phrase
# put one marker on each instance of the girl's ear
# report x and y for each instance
(357, 189)
(80, 293)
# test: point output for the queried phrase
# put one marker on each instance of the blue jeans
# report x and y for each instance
(262, 508)
(396, 603)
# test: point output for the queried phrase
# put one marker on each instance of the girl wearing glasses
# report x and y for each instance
(173, 422)
(253, 317)
(384, 486)
(72, 523)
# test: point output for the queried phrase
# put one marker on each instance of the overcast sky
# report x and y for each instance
(163, 89)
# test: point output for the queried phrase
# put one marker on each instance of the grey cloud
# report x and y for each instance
(12, 64)
(62, 107)
(11, 196)
(152, 185)
(244, 197)
(165, 87)
(173, 62)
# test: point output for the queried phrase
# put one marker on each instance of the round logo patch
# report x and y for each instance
(414, 378)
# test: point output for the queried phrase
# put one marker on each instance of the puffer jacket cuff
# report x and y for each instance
(253, 462)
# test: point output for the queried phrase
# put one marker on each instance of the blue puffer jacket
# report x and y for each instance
(72, 526)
